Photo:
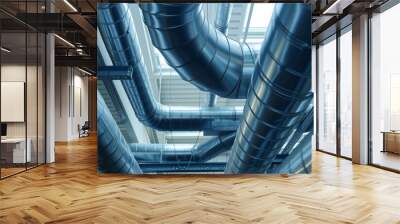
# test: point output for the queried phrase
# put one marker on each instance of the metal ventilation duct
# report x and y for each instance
(199, 52)
(280, 92)
(305, 126)
(221, 23)
(299, 160)
(108, 91)
(186, 155)
(298, 149)
(114, 155)
(118, 32)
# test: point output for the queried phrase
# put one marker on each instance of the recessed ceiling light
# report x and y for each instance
(5, 50)
(337, 7)
(65, 41)
(70, 5)
(84, 71)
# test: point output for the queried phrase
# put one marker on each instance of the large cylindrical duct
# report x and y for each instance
(199, 52)
(280, 91)
(119, 35)
(114, 154)
(184, 154)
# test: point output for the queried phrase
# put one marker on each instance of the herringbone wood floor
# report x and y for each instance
(70, 191)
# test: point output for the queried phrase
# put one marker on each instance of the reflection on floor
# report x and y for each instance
(387, 159)
(8, 170)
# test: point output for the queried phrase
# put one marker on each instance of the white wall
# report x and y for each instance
(17, 73)
(71, 102)
(33, 126)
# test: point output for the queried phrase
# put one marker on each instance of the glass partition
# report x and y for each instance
(22, 77)
(14, 145)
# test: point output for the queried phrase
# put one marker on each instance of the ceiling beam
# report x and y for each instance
(89, 30)
(82, 61)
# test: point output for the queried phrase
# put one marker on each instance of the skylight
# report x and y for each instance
(261, 15)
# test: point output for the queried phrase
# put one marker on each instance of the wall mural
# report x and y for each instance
(254, 55)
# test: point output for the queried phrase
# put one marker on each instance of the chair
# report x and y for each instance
(84, 130)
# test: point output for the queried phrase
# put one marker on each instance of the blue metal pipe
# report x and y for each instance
(280, 92)
(121, 117)
(199, 52)
(305, 126)
(114, 155)
(179, 168)
(298, 149)
(174, 153)
(114, 72)
(212, 99)
(119, 35)
(299, 159)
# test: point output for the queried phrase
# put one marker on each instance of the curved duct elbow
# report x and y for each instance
(199, 52)
(119, 36)
(221, 23)
(280, 92)
(114, 154)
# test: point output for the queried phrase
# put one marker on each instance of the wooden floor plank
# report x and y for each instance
(71, 191)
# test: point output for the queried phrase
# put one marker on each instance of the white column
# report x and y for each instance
(50, 100)
(360, 90)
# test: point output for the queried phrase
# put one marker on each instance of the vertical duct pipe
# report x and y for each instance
(199, 52)
(280, 92)
(114, 155)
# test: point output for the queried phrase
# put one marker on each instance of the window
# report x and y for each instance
(385, 89)
(346, 94)
(327, 97)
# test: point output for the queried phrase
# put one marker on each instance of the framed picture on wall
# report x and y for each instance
(180, 91)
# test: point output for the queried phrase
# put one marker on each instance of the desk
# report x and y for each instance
(13, 150)
(391, 141)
